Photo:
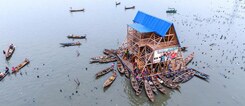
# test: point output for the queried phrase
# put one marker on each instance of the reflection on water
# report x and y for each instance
(212, 29)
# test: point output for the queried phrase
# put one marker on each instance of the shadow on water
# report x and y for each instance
(106, 88)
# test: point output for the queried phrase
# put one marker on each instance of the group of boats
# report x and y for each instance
(151, 86)
(73, 43)
(109, 80)
(126, 8)
(8, 54)
(152, 83)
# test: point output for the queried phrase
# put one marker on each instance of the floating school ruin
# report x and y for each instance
(151, 57)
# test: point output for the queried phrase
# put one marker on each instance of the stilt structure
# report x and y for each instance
(151, 55)
(151, 44)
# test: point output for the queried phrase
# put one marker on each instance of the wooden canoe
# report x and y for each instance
(100, 57)
(107, 60)
(141, 84)
(168, 83)
(188, 75)
(103, 72)
(9, 52)
(179, 78)
(201, 75)
(171, 11)
(109, 52)
(71, 44)
(154, 89)
(76, 37)
(118, 3)
(110, 80)
(5, 74)
(79, 10)
(149, 91)
(126, 72)
(120, 68)
(183, 49)
(93, 61)
(158, 85)
(134, 83)
(129, 7)
(189, 58)
(17, 68)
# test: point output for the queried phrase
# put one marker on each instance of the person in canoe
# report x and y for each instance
(112, 77)
(26, 60)
(6, 69)
(138, 78)
(11, 46)
(1, 74)
(77, 43)
(13, 69)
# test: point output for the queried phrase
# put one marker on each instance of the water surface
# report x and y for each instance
(212, 29)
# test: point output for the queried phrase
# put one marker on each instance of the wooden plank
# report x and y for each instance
(126, 63)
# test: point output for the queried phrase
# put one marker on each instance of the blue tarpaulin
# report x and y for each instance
(147, 23)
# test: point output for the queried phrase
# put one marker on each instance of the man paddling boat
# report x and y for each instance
(1, 74)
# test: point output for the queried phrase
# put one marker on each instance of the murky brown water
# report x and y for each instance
(214, 30)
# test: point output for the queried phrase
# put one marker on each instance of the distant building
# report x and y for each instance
(151, 41)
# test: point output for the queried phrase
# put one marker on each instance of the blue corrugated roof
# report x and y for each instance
(152, 23)
(140, 28)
